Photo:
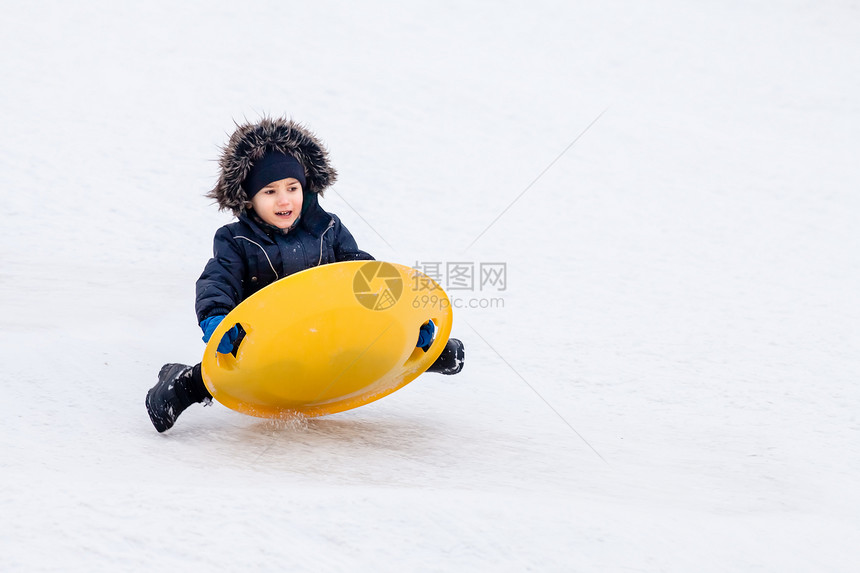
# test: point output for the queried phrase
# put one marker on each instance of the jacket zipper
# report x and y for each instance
(322, 237)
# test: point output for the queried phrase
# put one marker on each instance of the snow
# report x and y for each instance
(671, 384)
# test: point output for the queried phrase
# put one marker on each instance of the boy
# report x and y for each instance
(272, 173)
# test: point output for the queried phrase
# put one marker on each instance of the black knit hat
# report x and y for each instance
(273, 166)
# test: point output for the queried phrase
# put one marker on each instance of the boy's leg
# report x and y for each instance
(451, 360)
(178, 387)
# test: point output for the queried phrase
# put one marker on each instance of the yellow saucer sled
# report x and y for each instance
(327, 339)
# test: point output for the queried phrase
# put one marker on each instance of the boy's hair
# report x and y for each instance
(251, 141)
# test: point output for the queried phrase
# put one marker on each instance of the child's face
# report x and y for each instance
(279, 203)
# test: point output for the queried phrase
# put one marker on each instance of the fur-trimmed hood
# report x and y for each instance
(251, 141)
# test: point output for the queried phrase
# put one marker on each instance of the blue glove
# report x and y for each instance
(425, 335)
(208, 325)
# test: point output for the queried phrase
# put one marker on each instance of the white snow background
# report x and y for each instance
(672, 384)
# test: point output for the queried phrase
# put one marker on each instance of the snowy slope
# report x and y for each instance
(671, 384)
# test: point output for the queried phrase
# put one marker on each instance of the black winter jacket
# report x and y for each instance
(249, 255)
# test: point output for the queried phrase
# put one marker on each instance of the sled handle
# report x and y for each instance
(418, 356)
(227, 361)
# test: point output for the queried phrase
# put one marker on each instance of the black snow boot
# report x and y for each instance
(178, 387)
(451, 360)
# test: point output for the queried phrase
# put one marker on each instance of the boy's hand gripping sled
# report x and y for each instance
(328, 339)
